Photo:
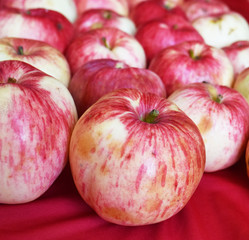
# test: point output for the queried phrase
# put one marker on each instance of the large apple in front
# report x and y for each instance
(190, 62)
(222, 116)
(136, 158)
(105, 43)
(37, 53)
(37, 118)
(38, 24)
(98, 77)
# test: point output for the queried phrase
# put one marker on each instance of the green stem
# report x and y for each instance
(20, 50)
(11, 80)
(192, 55)
(107, 14)
(105, 43)
(151, 117)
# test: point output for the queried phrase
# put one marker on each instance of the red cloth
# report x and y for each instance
(218, 210)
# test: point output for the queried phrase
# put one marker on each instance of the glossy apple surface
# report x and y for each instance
(98, 77)
(136, 158)
(222, 116)
(38, 24)
(37, 53)
(105, 43)
(190, 62)
(37, 118)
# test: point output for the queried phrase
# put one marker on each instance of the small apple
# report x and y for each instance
(221, 30)
(105, 43)
(190, 62)
(222, 116)
(98, 18)
(136, 158)
(65, 7)
(39, 54)
(165, 32)
(98, 77)
(238, 53)
(37, 118)
(38, 24)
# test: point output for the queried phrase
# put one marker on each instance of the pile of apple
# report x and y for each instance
(141, 96)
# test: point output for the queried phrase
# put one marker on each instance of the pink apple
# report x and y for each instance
(196, 8)
(98, 77)
(98, 18)
(105, 43)
(37, 118)
(119, 6)
(222, 116)
(158, 34)
(238, 53)
(241, 83)
(151, 10)
(136, 158)
(190, 62)
(38, 24)
(65, 7)
(39, 54)
(221, 30)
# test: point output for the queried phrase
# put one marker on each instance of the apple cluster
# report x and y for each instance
(140, 97)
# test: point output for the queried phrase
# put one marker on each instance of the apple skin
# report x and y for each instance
(38, 54)
(98, 18)
(221, 30)
(165, 32)
(196, 8)
(37, 118)
(65, 7)
(132, 172)
(222, 116)
(238, 53)
(98, 77)
(190, 62)
(105, 43)
(38, 24)
(119, 6)
(247, 158)
(241, 83)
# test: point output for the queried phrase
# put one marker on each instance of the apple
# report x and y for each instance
(105, 43)
(98, 18)
(37, 53)
(38, 24)
(37, 118)
(151, 10)
(241, 83)
(190, 62)
(222, 116)
(247, 158)
(196, 8)
(65, 7)
(238, 53)
(98, 77)
(221, 30)
(165, 32)
(136, 158)
(119, 6)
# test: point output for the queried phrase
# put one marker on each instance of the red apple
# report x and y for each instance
(222, 116)
(65, 7)
(37, 118)
(196, 8)
(165, 32)
(105, 43)
(221, 30)
(136, 158)
(98, 77)
(238, 53)
(119, 6)
(151, 10)
(38, 24)
(39, 54)
(247, 158)
(98, 18)
(190, 62)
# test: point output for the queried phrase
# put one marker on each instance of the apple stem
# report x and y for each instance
(215, 96)
(192, 55)
(11, 80)
(107, 14)
(150, 118)
(20, 50)
(105, 43)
